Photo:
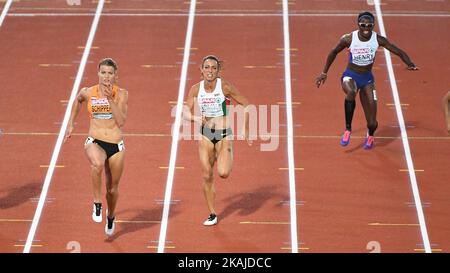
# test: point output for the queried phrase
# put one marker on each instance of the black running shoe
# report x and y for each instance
(97, 212)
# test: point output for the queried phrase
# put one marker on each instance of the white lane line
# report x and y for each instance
(5, 11)
(176, 128)
(290, 131)
(59, 141)
(224, 14)
(404, 136)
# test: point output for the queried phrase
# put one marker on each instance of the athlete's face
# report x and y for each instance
(106, 75)
(210, 70)
(366, 25)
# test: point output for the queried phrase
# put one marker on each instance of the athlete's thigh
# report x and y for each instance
(349, 85)
(368, 97)
(224, 151)
(206, 153)
(116, 163)
(95, 154)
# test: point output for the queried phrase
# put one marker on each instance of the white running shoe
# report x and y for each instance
(109, 231)
(97, 213)
(212, 220)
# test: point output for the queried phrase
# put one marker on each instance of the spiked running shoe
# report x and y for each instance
(212, 220)
(109, 227)
(97, 212)
(368, 143)
(345, 140)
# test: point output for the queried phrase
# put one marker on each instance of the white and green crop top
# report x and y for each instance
(212, 104)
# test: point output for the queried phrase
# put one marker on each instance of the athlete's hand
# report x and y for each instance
(68, 132)
(247, 137)
(321, 79)
(200, 120)
(412, 66)
(108, 91)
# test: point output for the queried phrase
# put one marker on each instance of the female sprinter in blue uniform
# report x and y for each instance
(104, 147)
(362, 45)
(212, 95)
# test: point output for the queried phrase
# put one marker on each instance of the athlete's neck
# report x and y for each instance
(210, 85)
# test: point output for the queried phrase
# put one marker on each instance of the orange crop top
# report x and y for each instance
(99, 108)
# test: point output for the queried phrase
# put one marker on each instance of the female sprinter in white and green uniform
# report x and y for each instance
(213, 94)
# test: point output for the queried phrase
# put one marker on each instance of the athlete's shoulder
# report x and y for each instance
(347, 37)
(225, 83)
(83, 94)
(195, 89)
(86, 91)
(227, 87)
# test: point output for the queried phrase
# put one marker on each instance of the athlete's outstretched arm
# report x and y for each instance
(445, 105)
(76, 106)
(382, 41)
(344, 42)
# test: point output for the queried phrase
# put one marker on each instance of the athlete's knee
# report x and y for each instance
(207, 176)
(351, 95)
(97, 166)
(112, 190)
(223, 173)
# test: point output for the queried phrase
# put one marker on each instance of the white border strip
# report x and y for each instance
(5, 11)
(59, 141)
(290, 130)
(401, 122)
(176, 129)
(221, 14)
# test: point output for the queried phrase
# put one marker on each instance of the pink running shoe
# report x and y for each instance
(368, 143)
(345, 140)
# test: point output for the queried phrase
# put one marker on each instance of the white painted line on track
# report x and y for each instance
(401, 121)
(290, 130)
(59, 141)
(437, 14)
(5, 11)
(176, 128)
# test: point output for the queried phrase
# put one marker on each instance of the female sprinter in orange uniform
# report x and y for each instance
(362, 45)
(212, 95)
(104, 147)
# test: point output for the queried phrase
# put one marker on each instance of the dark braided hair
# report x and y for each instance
(365, 15)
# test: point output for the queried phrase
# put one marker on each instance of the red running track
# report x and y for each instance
(341, 193)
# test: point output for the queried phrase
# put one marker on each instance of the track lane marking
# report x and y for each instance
(15, 220)
(5, 11)
(401, 121)
(287, 169)
(393, 224)
(263, 223)
(290, 130)
(59, 141)
(176, 128)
